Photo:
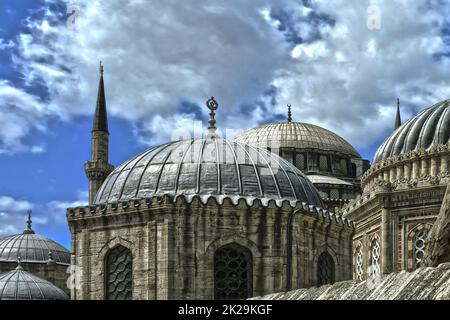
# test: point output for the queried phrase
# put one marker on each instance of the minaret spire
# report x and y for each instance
(101, 116)
(289, 118)
(29, 229)
(398, 120)
(99, 168)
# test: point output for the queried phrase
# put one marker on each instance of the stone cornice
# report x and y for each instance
(398, 160)
(134, 205)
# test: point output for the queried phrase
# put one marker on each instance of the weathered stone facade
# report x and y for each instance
(402, 195)
(173, 243)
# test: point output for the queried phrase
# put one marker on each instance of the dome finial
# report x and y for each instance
(289, 113)
(19, 263)
(29, 229)
(212, 105)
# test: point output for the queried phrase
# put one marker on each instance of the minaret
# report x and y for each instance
(99, 168)
(398, 120)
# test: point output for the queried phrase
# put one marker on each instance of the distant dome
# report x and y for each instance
(429, 128)
(21, 285)
(30, 247)
(299, 136)
(214, 167)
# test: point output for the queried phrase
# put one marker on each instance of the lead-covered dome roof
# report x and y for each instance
(21, 285)
(429, 128)
(210, 166)
(299, 136)
(31, 247)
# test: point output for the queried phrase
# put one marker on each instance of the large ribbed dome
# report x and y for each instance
(21, 285)
(299, 136)
(208, 167)
(429, 128)
(31, 247)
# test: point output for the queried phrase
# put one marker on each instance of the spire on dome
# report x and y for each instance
(398, 120)
(29, 230)
(101, 117)
(289, 118)
(212, 105)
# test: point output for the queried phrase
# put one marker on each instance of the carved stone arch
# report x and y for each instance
(416, 244)
(325, 265)
(222, 241)
(373, 254)
(359, 260)
(101, 263)
(207, 259)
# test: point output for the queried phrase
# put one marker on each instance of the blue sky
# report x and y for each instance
(164, 58)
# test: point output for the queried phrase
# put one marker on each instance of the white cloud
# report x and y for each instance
(158, 54)
(13, 213)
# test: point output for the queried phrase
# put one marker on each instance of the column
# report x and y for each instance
(386, 242)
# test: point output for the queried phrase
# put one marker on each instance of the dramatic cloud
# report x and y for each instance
(164, 58)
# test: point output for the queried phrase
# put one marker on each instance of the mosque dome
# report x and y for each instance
(210, 166)
(21, 285)
(297, 135)
(429, 128)
(31, 247)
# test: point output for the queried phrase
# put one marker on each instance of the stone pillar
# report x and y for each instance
(444, 164)
(392, 174)
(424, 167)
(399, 172)
(386, 175)
(433, 167)
(162, 270)
(386, 242)
(415, 169)
(406, 171)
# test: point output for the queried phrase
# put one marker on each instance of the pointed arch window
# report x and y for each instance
(359, 263)
(325, 269)
(375, 253)
(119, 274)
(233, 277)
(419, 247)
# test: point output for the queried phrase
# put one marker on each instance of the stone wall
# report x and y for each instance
(173, 244)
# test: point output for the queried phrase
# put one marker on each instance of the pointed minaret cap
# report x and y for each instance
(101, 117)
(29, 230)
(212, 106)
(289, 118)
(398, 119)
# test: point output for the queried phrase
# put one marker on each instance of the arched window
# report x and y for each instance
(359, 263)
(119, 274)
(375, 252)
(419, 246)
(233, 277)
(325, 269)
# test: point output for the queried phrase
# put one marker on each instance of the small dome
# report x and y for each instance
(299, 136)
(21, 285)
(31, 247)
(429, 128)
(208, 167)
